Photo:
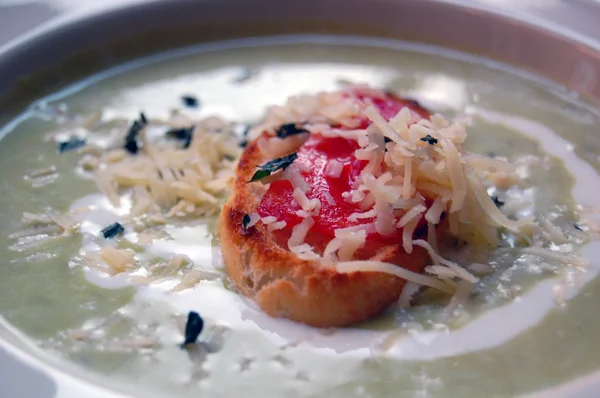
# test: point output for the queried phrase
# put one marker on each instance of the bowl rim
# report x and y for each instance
(26, 45)
(512, 37)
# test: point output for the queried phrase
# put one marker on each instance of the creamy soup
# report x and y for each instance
(528, 325)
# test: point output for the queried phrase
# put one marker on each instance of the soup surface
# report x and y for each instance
(514, 335)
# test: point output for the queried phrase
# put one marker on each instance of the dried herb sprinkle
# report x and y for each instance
(71, 144)
(497, 201)
(193, 328)
(288, 129)
(112, 230)
(131, 139)
(184, 134)
(245, 221)
(429, 139)
(190, 101)
(272, 166)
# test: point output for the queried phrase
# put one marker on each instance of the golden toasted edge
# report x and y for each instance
(286, 286)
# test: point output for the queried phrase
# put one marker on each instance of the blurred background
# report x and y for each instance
(21, 16)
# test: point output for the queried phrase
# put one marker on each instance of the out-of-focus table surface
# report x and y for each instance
(18, 17)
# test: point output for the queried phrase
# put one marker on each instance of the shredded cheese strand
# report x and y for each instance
(392, 269)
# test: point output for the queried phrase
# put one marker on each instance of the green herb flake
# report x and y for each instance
(272, 166)
(497, 201)
(193, 328)
(385, 141)
(190, 101)
(184, 134)
(112, 230)
(131, 139)
(71, 144)
(429, 139)
(245, 221)
(286, 130)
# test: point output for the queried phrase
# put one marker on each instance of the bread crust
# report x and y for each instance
(286, 286)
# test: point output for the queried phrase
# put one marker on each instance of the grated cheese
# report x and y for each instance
(268, 220)
(301, 199)
(435, 212)
(368, 214)
(392, 269)
(276, 226)
(552, 232)
(254, 218)
(329, 198)
(299, 232)
(460, 271)
(410, 215)
(421, 174)
(334, 168)
(409, 290)
(407, 235)
(461, 295)
(431, 236)
(351, 242)
(292, 174)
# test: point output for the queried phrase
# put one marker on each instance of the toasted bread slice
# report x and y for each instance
(286, 286)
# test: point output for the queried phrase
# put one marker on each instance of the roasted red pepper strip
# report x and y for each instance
(315, 154)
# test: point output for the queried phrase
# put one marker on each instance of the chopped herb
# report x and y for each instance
(259, 175)
(188, 140)
(497, 201)
(385, 141)
(245, 221)
(193, 328)
(243, 143)
(73, 143)
(285, 130)
(276, 164)
(131, 139)
(577, 227)
(429, 139)
(180, 134)
(131, 146)
(184, 134)
(112, 230)
(190, 101)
